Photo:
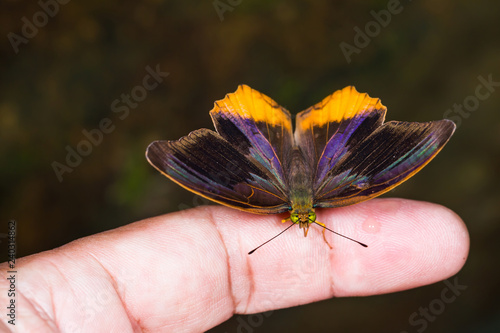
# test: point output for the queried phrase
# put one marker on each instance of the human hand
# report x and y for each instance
(190, 271)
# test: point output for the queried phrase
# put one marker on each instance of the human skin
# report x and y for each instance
(190, 271)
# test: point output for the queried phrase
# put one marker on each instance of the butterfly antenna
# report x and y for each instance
(291, 225)
(336, 233)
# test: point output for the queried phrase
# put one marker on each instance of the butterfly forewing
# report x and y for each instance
(257, 127)
(328, 130)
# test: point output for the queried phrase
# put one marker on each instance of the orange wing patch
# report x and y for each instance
(250, 104)
(342, 104)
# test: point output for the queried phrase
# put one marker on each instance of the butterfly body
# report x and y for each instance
(340, 154)
(300, 184)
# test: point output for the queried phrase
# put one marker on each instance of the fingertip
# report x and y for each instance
(455, 239)
(410, 244)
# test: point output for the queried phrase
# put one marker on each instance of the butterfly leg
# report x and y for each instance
(324, 236)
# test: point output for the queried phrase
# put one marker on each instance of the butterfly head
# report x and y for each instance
(303, 219)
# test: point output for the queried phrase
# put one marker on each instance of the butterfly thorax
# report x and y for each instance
(301, 190)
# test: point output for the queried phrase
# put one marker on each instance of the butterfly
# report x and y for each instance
(341, 153)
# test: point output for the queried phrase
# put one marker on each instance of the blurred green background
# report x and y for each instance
(64, 78)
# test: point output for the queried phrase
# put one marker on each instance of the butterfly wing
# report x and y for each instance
(257, 126)
(328, 130)
(388, 157)
(357, 156)
(240, 165)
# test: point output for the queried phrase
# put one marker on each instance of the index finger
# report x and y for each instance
(190, 270)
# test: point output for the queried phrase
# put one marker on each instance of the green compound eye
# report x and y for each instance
(294, 218)
(312, 216)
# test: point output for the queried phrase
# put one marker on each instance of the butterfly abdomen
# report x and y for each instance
(300, 182)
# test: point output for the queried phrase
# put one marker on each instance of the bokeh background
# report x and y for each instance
(63, 80)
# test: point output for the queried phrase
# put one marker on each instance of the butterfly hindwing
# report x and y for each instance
(206, 164)
(389, 156)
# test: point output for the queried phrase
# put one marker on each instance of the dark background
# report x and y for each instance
(65, 77)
